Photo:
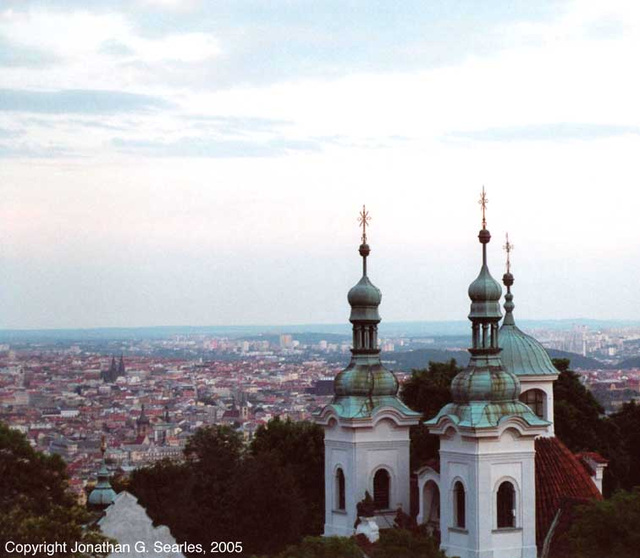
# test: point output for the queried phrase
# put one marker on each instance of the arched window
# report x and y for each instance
(506, 505)
(535, 399)
(459, 506)
(340, 493)
(431, 502)
(381, 485)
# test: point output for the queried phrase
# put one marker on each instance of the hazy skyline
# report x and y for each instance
(183, 162)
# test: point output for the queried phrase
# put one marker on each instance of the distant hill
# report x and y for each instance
(578, 361)
(439, 329)
(633, 362)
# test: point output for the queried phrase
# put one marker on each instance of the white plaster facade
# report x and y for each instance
(482, 461)
(361, 447)
(544, 383)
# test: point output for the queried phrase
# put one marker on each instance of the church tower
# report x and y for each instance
(525, 357)
(102, 495)
(366, 425)
(487, 453)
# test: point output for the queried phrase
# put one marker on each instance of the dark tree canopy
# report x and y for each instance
(300, 447)
(427, 391)
(35, 503)
(268, 495)
(607, 528)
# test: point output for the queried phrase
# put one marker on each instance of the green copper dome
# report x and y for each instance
(102, 495)
(485, 392)
(521, 354)
(365, 376)
(485, 380)
(365, 385)
(485, 291)
(364, 297)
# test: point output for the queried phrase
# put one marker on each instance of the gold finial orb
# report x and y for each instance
(363, 221)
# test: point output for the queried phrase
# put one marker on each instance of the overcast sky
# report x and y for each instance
(185, 162)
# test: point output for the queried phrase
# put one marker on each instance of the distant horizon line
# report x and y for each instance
(297, 326)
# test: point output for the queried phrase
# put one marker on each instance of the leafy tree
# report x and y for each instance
(300, 447)
(400, 543)
(268, 505)
(627, 422)
(581, 425)
(165, 490)
(427, 391)
(35, 503)
(323, 547)
(224, 492)
(578, 416)
(607, 528)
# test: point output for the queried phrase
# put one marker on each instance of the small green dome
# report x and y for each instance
(364, 299)
(485, 293)
(102, 495)
(365, 376)
(485, 380)
(521, 354)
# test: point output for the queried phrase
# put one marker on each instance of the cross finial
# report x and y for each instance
(103, 445)
(363, 221)
(483, 203)
(508, 248)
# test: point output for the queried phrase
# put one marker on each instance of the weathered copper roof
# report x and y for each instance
(560, 478)
(521, 354)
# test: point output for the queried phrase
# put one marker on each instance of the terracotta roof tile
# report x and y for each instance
(560, 478)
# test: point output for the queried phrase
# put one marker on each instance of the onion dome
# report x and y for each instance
(485, 392)
(364, 297)
(102, 495)
(487, 381)
(521, 354)
(365, 384)
(485, 291)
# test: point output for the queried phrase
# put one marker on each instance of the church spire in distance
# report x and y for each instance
(507, 279)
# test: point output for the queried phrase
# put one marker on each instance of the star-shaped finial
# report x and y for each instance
(483, 203)
(363, 221)
(508, 248)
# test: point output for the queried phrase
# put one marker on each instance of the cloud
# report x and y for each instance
(564, 131)
(215, 147)
(14, 55)
(78, 101)
(29, 151)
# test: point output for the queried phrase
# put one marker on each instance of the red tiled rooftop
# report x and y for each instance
(560, 478)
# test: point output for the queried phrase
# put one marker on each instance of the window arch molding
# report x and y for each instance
(459, 503)
(517, 507)
(537, 400)
(339, 488)
(392, 483)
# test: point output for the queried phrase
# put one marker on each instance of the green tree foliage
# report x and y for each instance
(400, 543)
(607, 528)
(225, 491)
(627, 422)
(427, 391)
(323, 547)
(581, 425)
(300, 447)
(578, 416)
(269, 508)
(35, 503)
(393, 543)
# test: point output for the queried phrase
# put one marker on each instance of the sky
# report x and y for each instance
(197, 162)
